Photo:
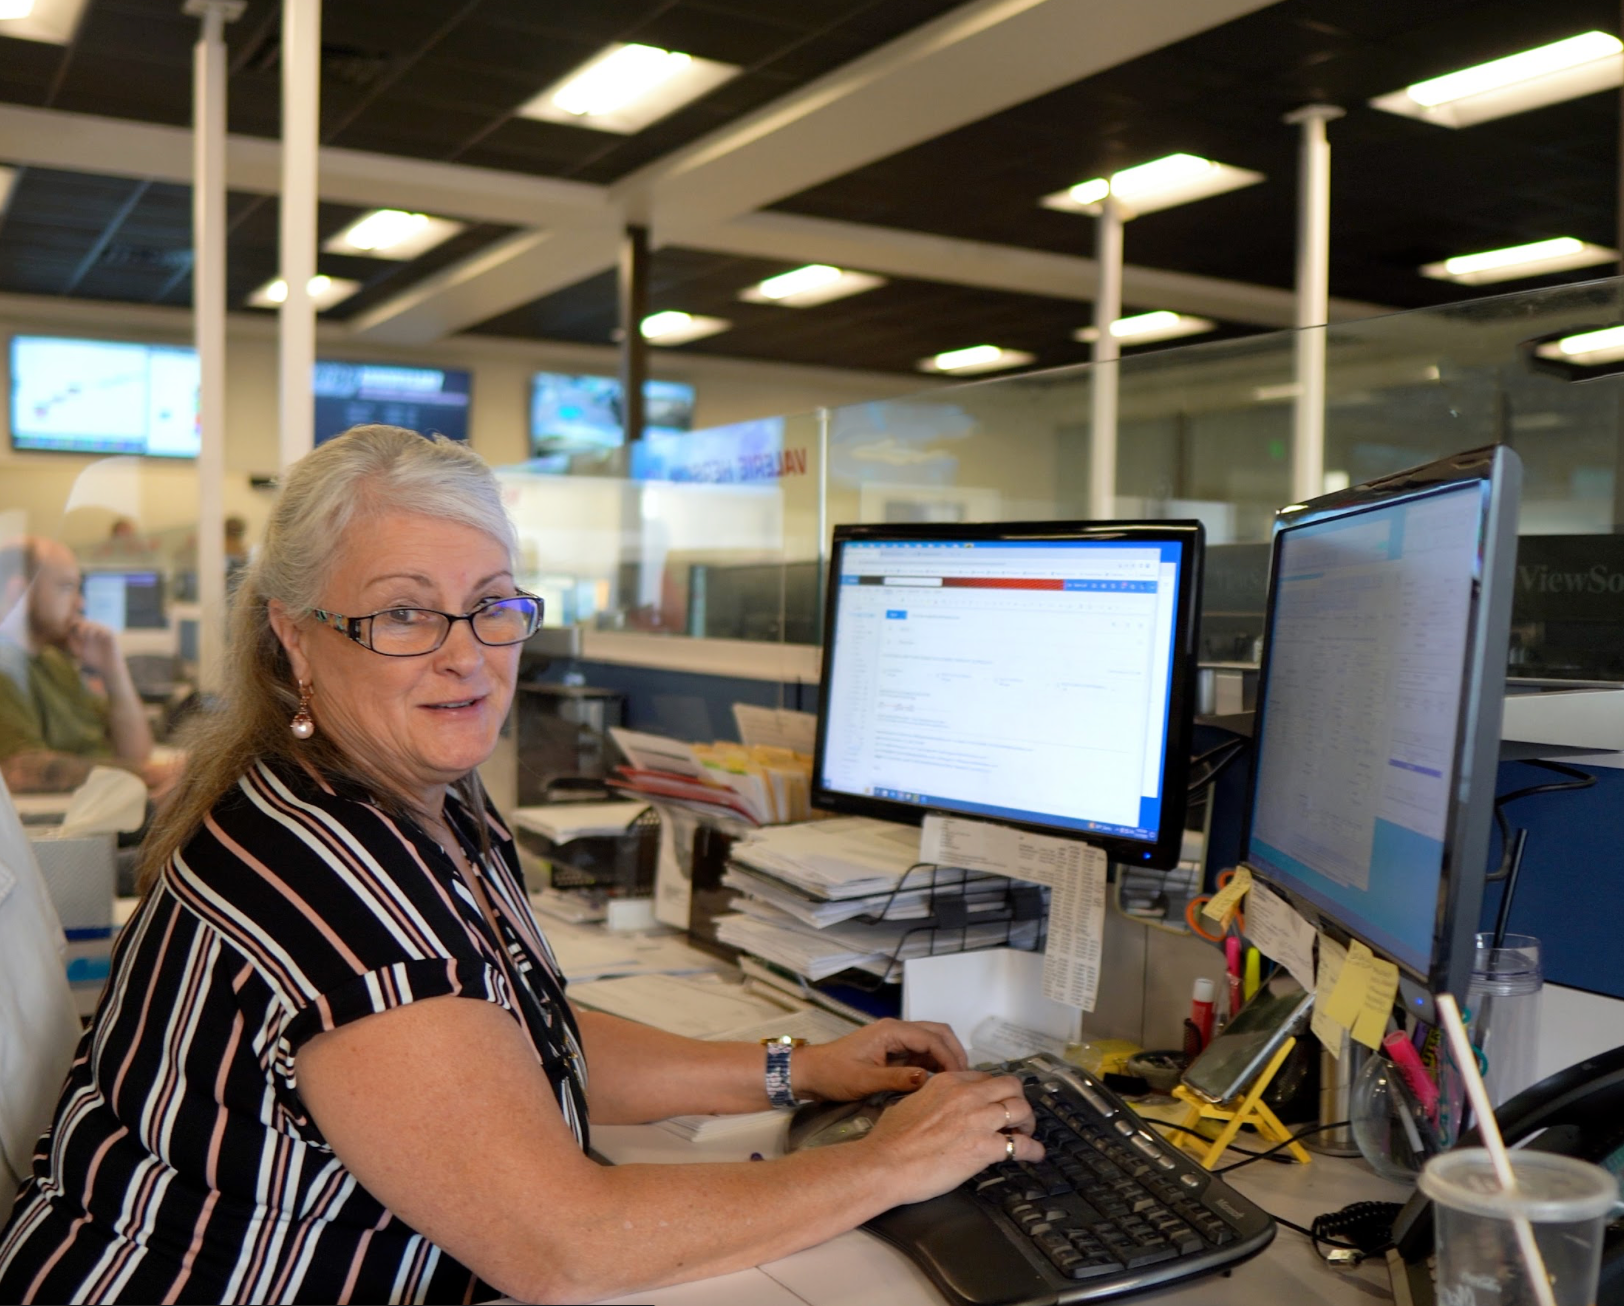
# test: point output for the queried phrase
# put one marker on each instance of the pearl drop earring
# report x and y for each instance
(302, 725)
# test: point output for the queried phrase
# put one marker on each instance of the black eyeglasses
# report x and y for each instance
(412, 632)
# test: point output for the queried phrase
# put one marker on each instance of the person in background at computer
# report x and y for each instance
(335, 1060)
(53, 727)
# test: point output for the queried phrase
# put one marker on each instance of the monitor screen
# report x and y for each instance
(125, 600)
(431, 400)
(1379, 707)
(1037, 674)
(104, 396)
(582, 414)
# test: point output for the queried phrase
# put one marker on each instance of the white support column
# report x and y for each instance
(301, 117)
(1102, 464)
(209, 320)
(1313, 299)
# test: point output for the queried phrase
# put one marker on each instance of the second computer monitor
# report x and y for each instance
(125, 600)
(1379, 705)
(1038, 674)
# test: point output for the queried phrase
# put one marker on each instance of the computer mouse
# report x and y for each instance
(821, 1124)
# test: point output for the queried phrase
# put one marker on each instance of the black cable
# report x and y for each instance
(1577, 780)
(1236, 748)
(1295, 1138)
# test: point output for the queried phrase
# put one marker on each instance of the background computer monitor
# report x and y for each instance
(125, 600)
(1036, 674)
(583, 414)
(431, 400)
(1379, 704)
(104, 396)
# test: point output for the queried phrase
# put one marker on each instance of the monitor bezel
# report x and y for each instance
(1497, 470)
(1161, 853)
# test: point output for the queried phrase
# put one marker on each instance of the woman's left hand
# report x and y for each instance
(887, 1056)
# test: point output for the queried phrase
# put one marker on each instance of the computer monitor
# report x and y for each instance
(584, 414)
(429, 400)
(104, 396)
(1379, 702)
(125, 600)
(1038, 674)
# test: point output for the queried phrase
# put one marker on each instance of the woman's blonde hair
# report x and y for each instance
(366, 472)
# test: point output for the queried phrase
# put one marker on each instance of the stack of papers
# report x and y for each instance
(561, 822)
(764, 783)
(777, 936)
(982, 893)
(848, 857)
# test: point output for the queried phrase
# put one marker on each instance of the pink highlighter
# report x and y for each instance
(1398, 1046)
(1232, 960)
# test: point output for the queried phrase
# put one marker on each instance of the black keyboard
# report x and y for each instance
(1113, 1208)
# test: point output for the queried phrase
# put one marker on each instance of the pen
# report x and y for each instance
(1416, 1079)
(1232, 959)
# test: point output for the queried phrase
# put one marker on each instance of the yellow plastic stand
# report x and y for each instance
(1250, 1111)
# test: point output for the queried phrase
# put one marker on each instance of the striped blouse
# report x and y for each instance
(181, 1164)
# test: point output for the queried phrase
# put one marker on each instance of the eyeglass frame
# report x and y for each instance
(351, 626)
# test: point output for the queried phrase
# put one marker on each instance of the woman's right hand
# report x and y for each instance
(960, 1122)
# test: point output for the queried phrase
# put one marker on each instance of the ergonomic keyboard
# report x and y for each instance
(1113, 1208)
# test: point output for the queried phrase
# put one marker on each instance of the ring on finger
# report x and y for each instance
(1009, 1147)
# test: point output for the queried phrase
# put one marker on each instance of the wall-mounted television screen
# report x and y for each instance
(582, 414)
(431, 400)
(104, 396)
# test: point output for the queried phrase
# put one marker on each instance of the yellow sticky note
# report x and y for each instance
(1352, 985)
(1221, 906)
(1326, 974)
(1371, 1022)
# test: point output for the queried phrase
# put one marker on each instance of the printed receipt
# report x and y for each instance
(1075, 874)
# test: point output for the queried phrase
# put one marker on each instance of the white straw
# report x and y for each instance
(1489, 1128)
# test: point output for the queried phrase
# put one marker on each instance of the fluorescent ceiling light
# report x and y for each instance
(624, 88)
(392, 233)
(675, 328)
(1144, 328)
(1159, 184)
(52, 21)
(974, 359)
(1563, 70)
(816, 283)
(1560, 254)
(324, 292)
(1587, 348)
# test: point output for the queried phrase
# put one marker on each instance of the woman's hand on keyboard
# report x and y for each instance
(889, 1056)
(958, 1123)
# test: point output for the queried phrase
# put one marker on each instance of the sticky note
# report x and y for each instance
(1331, 957)
(1371, 1022)
(1352, 986)
(1223, 904)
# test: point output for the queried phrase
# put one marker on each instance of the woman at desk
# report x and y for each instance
(282, 1096)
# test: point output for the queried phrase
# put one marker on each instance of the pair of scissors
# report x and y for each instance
(1193, 917)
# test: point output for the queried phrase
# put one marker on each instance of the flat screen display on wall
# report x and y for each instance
(582, 414)
(429, 400)
(104, 396)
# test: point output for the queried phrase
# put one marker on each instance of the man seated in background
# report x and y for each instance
(53, 726)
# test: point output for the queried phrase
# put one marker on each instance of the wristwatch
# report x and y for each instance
(779, 1092)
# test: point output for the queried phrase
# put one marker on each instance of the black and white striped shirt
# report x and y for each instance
(181, 1164)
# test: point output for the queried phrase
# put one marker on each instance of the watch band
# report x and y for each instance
(779, 1092)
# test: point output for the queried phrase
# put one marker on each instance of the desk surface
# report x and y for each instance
(858, 1269)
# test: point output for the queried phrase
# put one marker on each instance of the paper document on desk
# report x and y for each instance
(847, 857)
(980, 894)
(561, 822)
(776, 727)
(1075, 874)
(648, 752)
(696, 1006)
